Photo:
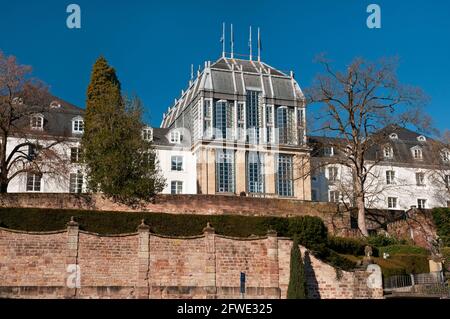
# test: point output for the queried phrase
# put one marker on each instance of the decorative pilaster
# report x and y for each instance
(143, 282)
(73, 272)
(210, 263)
(272, 255)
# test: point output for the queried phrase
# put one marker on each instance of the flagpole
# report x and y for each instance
(232, 42)
(259, 45)
(250, 43)
(223, 40)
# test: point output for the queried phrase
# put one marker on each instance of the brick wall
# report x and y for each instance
(145, 265)
(336, 219)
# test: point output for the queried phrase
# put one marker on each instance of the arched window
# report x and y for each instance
(37, 122)
(78, 125)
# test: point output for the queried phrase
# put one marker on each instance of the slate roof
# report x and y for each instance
(57, 120)
(230, 78)
(402, 146)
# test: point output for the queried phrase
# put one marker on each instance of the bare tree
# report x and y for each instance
(356, 105)
(22, 97)
(440, 171)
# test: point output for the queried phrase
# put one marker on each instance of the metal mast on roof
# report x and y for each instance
(259, 45)
(250, 43)
(232, 42)
(223, 40)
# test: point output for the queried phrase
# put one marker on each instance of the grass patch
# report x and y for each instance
(403, 250)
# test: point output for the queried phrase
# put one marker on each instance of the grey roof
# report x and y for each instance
(231, 78)
(160, 136)
(57, 120)
(402, 146)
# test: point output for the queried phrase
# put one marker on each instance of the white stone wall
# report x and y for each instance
(188, 174)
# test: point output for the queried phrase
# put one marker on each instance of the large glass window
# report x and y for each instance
(253, 117)
(225, 171)
(284, 122)
(284, 175)
(223, 120)
(255, 172)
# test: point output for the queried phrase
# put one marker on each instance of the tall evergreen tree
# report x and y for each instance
(297, 279)
(120, 163)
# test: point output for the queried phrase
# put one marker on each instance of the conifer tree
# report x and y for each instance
(297, 279)
(120, 163)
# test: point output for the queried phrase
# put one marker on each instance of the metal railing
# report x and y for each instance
(425, 285)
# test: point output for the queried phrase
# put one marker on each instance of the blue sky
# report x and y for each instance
(153, 44)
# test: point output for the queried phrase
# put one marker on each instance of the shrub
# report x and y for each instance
(441, 218)
(404, 264)
(310, 231)
(297, 279)
(334, 259)
(348, 246)
(382, 241)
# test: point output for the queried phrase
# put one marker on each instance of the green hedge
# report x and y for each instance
(403, 264)
(441, 218)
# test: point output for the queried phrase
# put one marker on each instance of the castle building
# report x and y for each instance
(244, 122)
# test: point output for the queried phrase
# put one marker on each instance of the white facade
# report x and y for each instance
(178, 166)
(405, 178)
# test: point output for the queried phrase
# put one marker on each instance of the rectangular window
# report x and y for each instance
(175, 137)
(37, 122)
(333, 174)
(392, 202)
(225, 175)
(328, 151)
(78, 126)
(253, 117)
(388, 152)
(177, 163)
(33, 182)
(417, 153)
(147, 134)
(284, 176)
(176, 187)
(420, 179)
(284, 124)
(334, 196)
(75, 153)
(421, 203)
(390, 177)
(76, 183)
(255, 172)
(223, 120)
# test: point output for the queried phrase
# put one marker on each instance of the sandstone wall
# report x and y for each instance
(144, 265)
(336, 219)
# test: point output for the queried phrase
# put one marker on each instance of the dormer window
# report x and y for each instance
(393, 136)
(175, 137)
(78, 125)
(421, 138)
(417, 153)
(445, 154)
(37, 122)
(55, 105)
(388, 152)
(328, 151)
(147, 134)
